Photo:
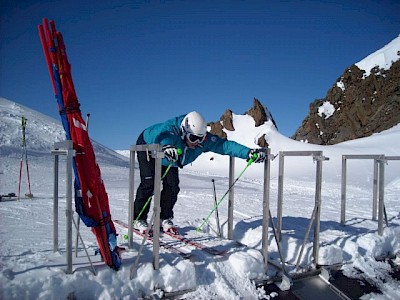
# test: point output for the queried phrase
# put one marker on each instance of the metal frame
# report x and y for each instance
(63, 148)
(378, 206)
(315, 217)
(156, 152)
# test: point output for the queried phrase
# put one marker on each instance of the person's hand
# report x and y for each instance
(258, 155)
(171, 153)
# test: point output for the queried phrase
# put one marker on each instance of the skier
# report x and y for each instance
(186, 133)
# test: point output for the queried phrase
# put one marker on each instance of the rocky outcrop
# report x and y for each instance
(259, 113)
(354, 107)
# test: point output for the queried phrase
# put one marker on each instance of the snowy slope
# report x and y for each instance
(382, 58)
(41, 133)
(30, 270)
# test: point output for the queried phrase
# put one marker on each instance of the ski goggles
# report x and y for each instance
(194, 138)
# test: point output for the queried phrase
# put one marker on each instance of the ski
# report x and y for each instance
(163, 244)
(197, 245)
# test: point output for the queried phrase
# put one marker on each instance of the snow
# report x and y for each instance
(340, 85)
(326, 110)
(383, 58)
(31, 270)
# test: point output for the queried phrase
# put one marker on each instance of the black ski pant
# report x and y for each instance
(170, 186)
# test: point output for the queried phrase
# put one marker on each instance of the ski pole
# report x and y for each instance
(20, 173)
(26, 157)
(179, 152)
(24, 153)
(30, 195)
(216, 210)
(251, 160)
(23, 125)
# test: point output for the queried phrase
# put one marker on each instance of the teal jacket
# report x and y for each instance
(168, 133)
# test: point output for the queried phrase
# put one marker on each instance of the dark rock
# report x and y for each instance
(363, 107)
(258, 113)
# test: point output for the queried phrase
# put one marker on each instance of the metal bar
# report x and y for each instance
(375, 190)
(306, 236)
(363, 156)
(77, 226)
(300, 153)
(381, 196)
(68, 211)
(231, 197)
(78, 235)
(131, 196)
(219, 233)
(278, 244)
(156, 208)
(146, 147)
(55, 205)
(133, 272)
(266, 211)
(392, 157)
(343, 191)
(280, 194)
(318, 188)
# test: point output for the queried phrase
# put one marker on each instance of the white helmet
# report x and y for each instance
(194, 127)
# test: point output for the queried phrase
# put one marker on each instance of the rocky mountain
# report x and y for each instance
(259, 113)
(363, 101)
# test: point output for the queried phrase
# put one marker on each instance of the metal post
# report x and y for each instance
(375, 191)
(381, 195)
(131, 195)
(55, 205)
(266, 211)
(156, 209)
(343, 193)
(231, 197)
(318, 188)
(68, 211)
(280, 195)
(67, 149)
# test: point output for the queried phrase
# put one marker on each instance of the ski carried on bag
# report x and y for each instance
(163, 244)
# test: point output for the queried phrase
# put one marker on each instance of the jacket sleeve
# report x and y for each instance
(225, 147)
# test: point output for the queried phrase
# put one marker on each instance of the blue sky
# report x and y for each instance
(135, 63)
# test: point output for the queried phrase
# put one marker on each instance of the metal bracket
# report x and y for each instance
(319, 158)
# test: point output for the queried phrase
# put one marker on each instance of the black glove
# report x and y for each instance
(261, 156)
(171, 153)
